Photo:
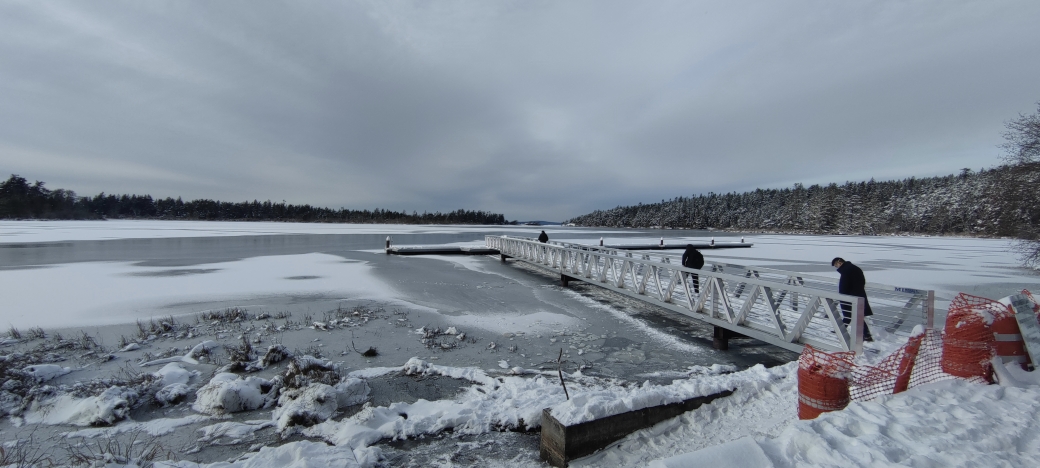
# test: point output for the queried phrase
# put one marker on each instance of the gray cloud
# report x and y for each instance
(540, 110)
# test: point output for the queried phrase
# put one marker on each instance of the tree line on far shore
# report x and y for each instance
(20, 199)
(999, 202)
(1003, 201)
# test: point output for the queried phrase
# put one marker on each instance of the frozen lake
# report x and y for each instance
(93, 274)
(101, 277)
(90, 273)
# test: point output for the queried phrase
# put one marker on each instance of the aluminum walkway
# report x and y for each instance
(783, 308)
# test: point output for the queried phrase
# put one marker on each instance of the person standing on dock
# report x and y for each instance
(853, 283)
(692, 258)
(543, 237)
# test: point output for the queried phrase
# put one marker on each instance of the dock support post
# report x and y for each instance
(388, 245)
(564, 280)
(720, 339)
(504, 257)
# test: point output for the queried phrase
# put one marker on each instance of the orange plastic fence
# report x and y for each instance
(822, 381)
(968, 340)
(963, 350)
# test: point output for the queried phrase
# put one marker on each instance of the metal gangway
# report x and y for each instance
(783, 308)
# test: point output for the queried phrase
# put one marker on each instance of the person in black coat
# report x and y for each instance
(543, 237)
(692, 258)
(853, 283)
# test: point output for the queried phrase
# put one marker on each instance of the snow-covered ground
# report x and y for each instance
(463, 344)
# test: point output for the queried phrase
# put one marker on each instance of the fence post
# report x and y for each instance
(929, 311)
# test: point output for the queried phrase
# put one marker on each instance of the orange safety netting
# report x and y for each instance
(822, 381)
(968, 340)
(963, 350)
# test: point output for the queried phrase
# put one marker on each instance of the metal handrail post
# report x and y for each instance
(856, 334)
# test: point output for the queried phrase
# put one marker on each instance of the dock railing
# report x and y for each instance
(784, 308)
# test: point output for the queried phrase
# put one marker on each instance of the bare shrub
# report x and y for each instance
(111, 451)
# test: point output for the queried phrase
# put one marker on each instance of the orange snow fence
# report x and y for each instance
(822, 382)
(829, 381)
(968, 344)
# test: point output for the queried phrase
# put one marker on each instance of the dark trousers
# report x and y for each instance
(696, 283)
(846, 318)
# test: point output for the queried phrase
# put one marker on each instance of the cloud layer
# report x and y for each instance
(539, 110)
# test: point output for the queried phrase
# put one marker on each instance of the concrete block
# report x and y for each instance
(561, 444)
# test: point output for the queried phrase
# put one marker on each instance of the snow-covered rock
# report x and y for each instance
(45, 372)
(173, 373)
(317, 402)
(110, 406)
(228, 393)
(305, 406)
(172, 394)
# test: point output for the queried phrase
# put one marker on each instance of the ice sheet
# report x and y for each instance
(98, 293)
(53, 231)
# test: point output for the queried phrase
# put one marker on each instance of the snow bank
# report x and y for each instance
(743, 452)
(591, 405)
(492, 404)
(758, 409)
(228, 393)
(948, 423)
(110, 406)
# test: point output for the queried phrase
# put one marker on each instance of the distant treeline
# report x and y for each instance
(1003, 201)
(21, 200)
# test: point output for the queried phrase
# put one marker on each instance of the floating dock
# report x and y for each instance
(439, 250)
(715, 245)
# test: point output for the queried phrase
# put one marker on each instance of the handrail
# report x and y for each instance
(896, 309)
(783, 314)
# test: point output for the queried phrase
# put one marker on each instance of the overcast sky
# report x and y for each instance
(533, 109)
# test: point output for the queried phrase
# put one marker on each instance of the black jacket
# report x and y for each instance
(853, 283)
(692, 258)
(543, 237)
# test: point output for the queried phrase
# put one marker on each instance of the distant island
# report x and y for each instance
(998, 202)
(21, 200)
